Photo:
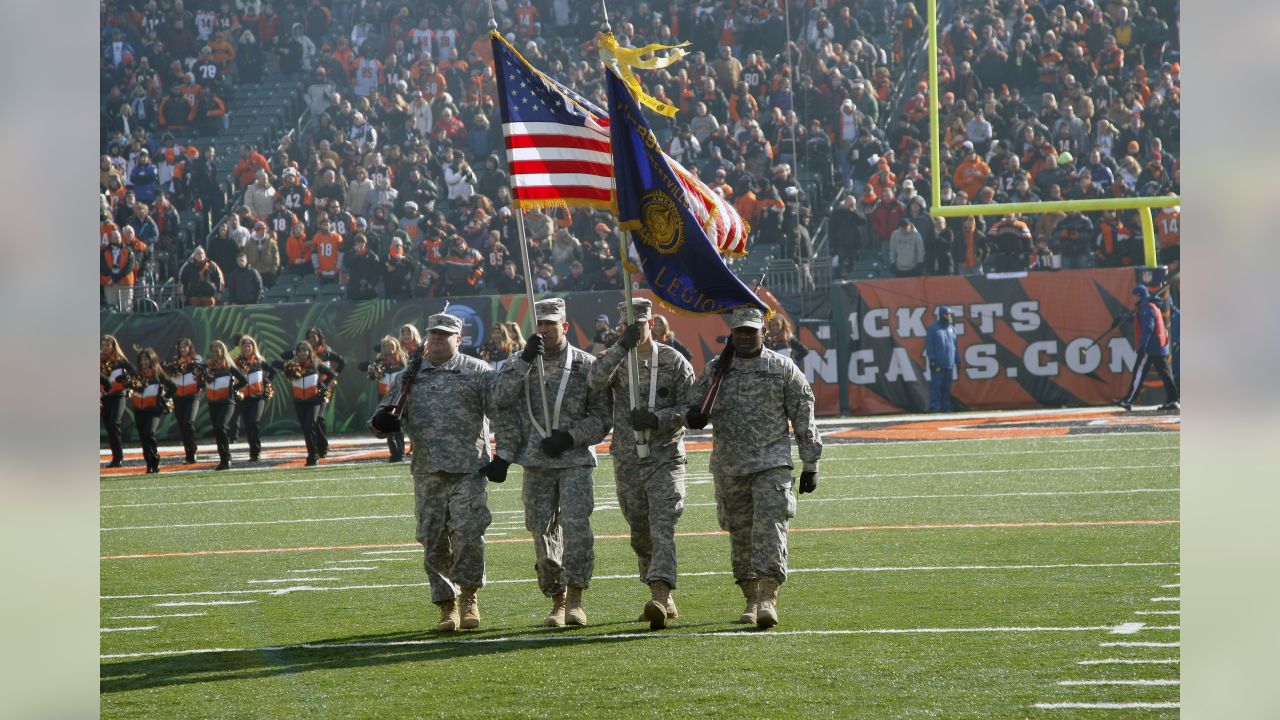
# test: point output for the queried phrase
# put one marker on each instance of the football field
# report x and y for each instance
(1026, 568)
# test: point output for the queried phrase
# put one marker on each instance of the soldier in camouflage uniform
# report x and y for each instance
(651, 488)
(558, 460)
(751, 459)
(445, 418)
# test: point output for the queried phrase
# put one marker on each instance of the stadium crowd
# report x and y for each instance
(398, 185)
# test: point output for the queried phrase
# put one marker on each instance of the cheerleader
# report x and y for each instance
(114, 374)
(322, 353)
(182, 371)
(778, 337)
(221, 379)
(312, 383)
(256, 393)
(149, 396)
(385, 370)
(410, 339)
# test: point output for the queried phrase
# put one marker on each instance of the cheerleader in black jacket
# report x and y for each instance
(150, 397)
(115, 370)
(182, 371)
(221, 381)
(311, 383)
(322, 353)
(385, 370)
(255, 394)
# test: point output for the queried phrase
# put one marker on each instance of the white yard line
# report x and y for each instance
(128, 629)
(362, 560)
(1140, 644)
(292, 580)
(1166, 599)
(256, 500)
(1108, 706)
(1158, 612)
(709, 573)
(617, 636)
(1130, 661)
(198, 604)
(1172, 585)
(1128, 628)
(155, 617)
(1117, 682)
(354, 518)
(336, 569)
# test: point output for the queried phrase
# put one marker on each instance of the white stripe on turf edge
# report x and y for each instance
(1108, 706)
(614, 636)
(128, 629)
(1141, 644)
(1158, 612)
(1117, 682)
(292, 580)
(154, 617)
(1166, 599)
(210, 602)
(1130, 661)
(709, 573)
(254, 500)
(1128, 628)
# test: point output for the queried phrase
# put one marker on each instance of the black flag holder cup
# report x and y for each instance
(389, 420)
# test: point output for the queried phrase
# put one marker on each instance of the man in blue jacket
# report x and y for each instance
(1153, 350)
(943, 355)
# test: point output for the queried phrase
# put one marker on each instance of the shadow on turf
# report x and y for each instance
(162, 671)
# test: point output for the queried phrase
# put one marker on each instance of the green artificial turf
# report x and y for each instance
(850, 574)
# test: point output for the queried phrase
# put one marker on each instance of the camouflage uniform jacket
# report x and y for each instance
(584, 414)
(749, 422)
(445, 415)
(675, 380)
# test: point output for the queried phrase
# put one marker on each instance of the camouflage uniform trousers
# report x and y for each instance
(754, 509)
(557, 510)
(453, 513)
(651, 497)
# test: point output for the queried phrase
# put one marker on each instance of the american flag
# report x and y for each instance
(558, 151)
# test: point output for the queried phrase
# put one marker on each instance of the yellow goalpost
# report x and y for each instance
(1142, 204)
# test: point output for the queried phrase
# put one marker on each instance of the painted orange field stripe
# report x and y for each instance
(706, 533)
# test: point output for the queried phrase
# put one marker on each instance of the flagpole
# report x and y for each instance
(528, 280)
(633, 357)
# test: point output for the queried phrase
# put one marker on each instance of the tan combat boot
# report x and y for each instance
(655, 611)
(767, 614)
(448, 617)
(555, 618)
(749, 590)
(573, 612)
(470, 609)
(672, 611)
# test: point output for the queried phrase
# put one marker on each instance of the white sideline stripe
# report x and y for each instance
(336, 569)
(255, 500)
(315, 478)
(362, 560)
(128, 629)
(1064, 451)
(1130, 661)
(1108, 706)
(258, 522)
(290, 580)
(1166, 599)
(709, 573)
(1172, 585)
(1128, 628)
(153, 617)
(1119, 682)
(859, 498)
(1158, 612)
(1141, 644)
(391, 552)
(190, 604)
(610, 636)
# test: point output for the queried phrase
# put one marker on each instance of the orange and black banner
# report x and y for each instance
(1024, 341)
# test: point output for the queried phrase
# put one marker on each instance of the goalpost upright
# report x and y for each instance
(1142, 204)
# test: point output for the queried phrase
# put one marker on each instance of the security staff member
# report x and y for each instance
(1153, 351)
(943, 356)
(557, 457)
(760, 395)
(650, 489)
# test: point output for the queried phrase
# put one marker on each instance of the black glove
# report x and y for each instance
(533, 348)
(364, 366)
(642, 419)
(556, 443)
(695, 418)
(630, 337)
(385, 422)
(808, 481)
(496, 469)
(935, 367)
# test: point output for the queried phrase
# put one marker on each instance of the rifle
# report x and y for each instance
(1129, 315)
(722, 367)
(393, 416)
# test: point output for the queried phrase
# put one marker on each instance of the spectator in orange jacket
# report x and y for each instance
(116, 265)
(298, 251)
(251, 161)
(327, 258)
(972, 173)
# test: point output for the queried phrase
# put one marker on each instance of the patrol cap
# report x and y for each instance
(746, 317)
(445, 323)
(641, 308)
(552, 310)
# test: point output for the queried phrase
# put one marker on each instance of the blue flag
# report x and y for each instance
(680, 262)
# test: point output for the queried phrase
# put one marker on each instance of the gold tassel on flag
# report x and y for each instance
(622, 59)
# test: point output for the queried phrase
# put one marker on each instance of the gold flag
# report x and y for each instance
(623, 59)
